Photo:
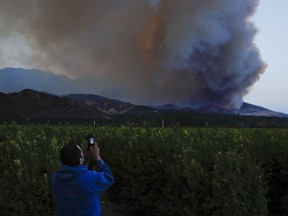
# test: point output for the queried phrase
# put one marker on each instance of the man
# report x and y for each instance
(75, 188)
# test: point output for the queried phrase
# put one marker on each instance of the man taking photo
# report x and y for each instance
(75, 188)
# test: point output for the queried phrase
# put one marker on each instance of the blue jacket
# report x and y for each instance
(77, 190)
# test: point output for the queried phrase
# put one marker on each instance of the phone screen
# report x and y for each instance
(91, 140)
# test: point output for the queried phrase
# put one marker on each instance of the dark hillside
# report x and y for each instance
(29, 106)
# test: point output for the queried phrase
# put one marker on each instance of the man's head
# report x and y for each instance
(71, 154)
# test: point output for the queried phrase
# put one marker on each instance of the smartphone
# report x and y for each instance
(90, 140)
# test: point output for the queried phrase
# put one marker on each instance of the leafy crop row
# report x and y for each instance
(157, 171)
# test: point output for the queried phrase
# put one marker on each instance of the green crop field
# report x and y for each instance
(171, 171)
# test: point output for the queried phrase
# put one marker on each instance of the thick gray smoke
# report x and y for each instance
(144, 51)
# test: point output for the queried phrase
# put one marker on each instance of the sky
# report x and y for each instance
(272, 40)
(177, 52)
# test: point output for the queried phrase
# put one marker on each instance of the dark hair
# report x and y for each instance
(70, 154)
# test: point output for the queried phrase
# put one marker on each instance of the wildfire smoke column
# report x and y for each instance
(144, 51)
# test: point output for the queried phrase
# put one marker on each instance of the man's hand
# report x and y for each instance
(92, 151)
(95, 152)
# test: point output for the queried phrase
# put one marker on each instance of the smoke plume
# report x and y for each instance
(144, 51)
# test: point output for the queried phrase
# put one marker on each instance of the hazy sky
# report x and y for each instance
(272, 40)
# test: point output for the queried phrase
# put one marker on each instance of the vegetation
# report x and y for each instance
(154, 119)
(171, 171)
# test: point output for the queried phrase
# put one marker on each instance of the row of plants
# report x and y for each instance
(171, 171)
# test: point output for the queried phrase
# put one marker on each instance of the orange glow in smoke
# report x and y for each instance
(151, 38)
(153, 33)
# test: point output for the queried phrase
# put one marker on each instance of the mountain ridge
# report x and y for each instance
(18, 79)
(30, 106)
(246, 109)
(34, 103)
